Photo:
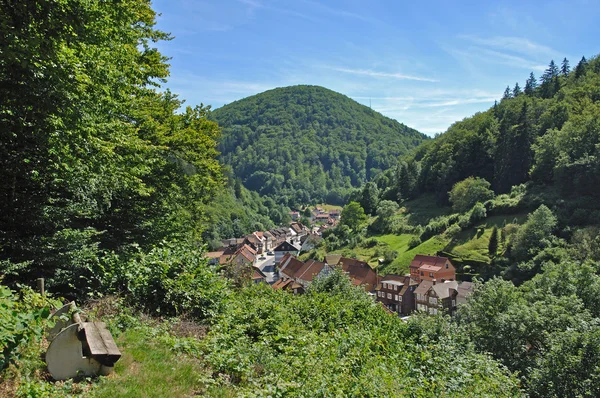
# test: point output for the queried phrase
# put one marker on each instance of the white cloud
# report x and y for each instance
(366, 72)
(514, 44)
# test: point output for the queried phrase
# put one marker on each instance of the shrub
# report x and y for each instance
(414, 241)
(170, 279)
(453, 230)
(477, 213)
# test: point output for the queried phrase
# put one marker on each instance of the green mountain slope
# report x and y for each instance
(547, 134)
(307, 143)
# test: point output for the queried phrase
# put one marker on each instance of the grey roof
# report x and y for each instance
(443, 290)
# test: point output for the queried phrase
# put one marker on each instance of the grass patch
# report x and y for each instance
(423, 209)
(150, 368)
(395, 242)
(430, 246)
(327, 207)
(472, 244)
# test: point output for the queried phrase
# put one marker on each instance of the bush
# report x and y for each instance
(414, 241)
(170, 279)
(390, 255)
(21, 321)
(453, 230)
(478, 213)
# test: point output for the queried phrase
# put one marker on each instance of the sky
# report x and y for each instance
(426, 64)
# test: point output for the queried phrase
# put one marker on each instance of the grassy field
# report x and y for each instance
(327, 207)
(401, 263)
(398, 243)
(472, 244)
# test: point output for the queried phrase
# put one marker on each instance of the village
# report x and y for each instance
(271, 257)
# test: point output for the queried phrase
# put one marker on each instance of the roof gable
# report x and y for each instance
(286, 247)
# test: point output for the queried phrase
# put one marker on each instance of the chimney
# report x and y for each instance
(434, 281)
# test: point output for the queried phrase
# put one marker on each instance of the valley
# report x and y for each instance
(293, 241)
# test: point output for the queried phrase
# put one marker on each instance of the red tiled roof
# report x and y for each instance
(282, 284)
(421, 260)
(214, 254)
(291, 266)
(258, 274)
(430, 268)
(309, 270)
(360, 272)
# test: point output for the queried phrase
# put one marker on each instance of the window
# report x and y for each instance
(454, 303)
(395, 287)
(432, 300)
(389, 296)
(396, 297)
(385, 285)
(400, 298)
(431, 274)
(446, 265)
(422, 273)
(433, 311)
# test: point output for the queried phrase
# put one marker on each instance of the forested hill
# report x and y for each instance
(307, 143)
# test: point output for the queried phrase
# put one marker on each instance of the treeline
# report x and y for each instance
(546, 133)
(307, 144)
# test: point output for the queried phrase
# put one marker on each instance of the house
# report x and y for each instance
(258, 276)
(232, 242)
(299, 229)
(360, 273)
(335, 214)
(396, 293)
(294, 215)
(283, 284)
(284, 248)
(322, 217)
(428, 268)
(308, 242)
(434, 297)
(213, 257)
(244, 255)
(437, 298)
(269, 239)
(289, 265)
(300, 273)
(256, 240)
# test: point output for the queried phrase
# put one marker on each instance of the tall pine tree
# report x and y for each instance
(493, 243)
(564, 68)
(580, 68)
(517, 90)
(531, 84)
(507, 94)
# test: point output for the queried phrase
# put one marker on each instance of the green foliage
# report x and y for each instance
(386, 211)
(171, 279)
(547, 329)
(534, 234)
(353, 216)
(304, 144)
(22, 322)
(103, 160)
(477, 213)
(336, 341)
(370, 198)
(548, 135)
(466, 193)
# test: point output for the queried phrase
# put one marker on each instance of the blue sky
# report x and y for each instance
(426, 64)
